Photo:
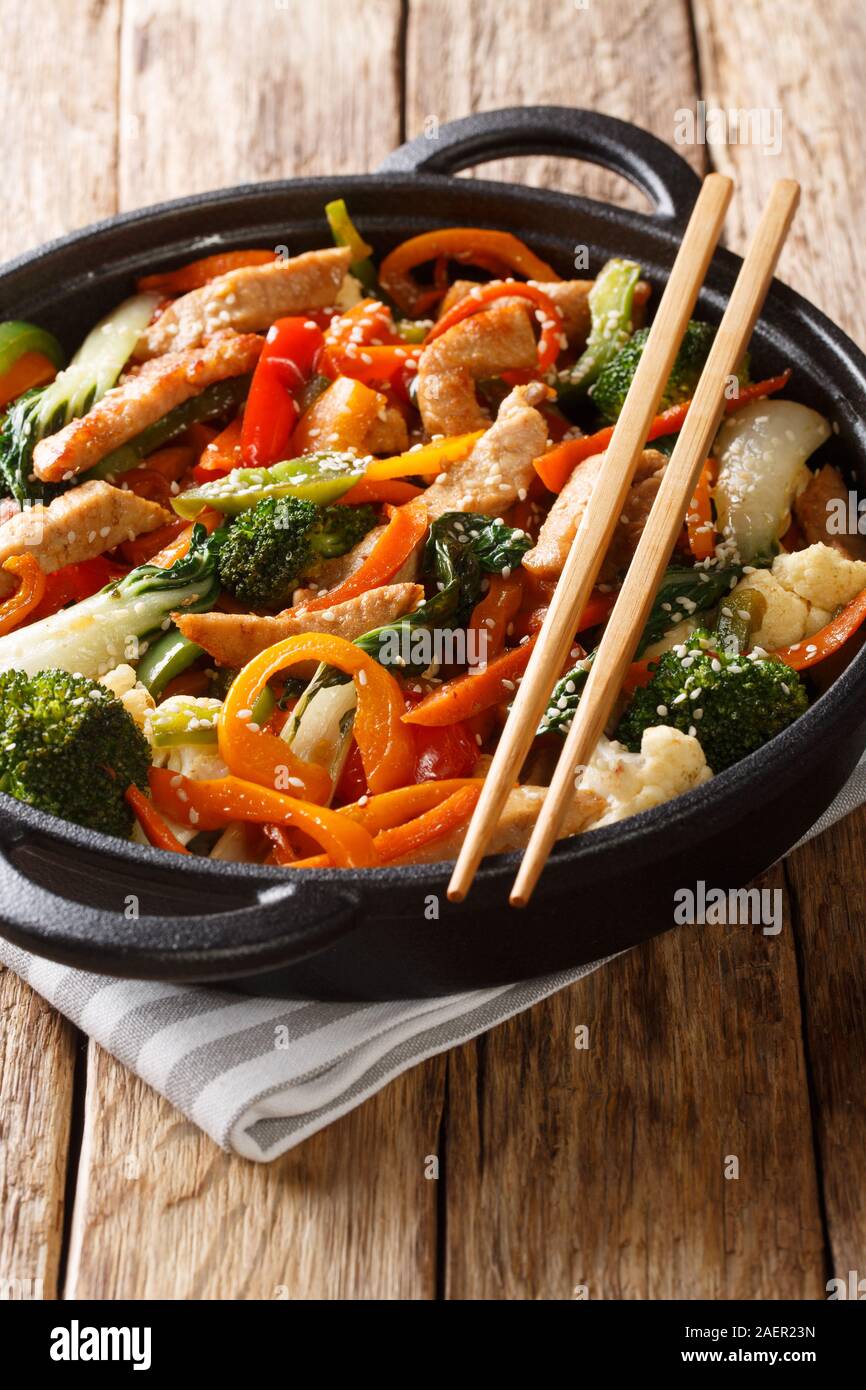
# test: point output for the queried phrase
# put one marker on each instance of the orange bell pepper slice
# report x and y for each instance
(387, 749)
(406, 527)
(28, 595)
(31, 369)
(211, 804)
(160, 835)
(557, 465)
(339, 418)
(470, 246)
(551, 340)
(433, 825)
(427, 461)
(201, 272)
(443, 808)
(392, 808)
(827, 639)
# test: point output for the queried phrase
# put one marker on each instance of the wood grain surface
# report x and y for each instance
(565, 1171)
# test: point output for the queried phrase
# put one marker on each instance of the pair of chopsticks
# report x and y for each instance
(606, 505)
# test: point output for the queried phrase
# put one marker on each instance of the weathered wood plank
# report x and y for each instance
(601, 1173)
(37, 1061)
(463, 58)
(59, 164)
(224, 93)
(808, 69)
(210, 96)
(59, 172)
(161, 1212)
(605, 1168)
(825, 879)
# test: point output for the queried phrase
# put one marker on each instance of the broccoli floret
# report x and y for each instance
(610, 305)
(611, 387)
(731, 704)
(270, 546)
(68, 746)
(339, 528)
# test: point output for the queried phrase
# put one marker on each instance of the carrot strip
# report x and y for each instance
(201, 272)
(147, 483)
(176, 549)
(638, 674)
(407, 526)
(493, 614)
(146, 549)
(31, 369)
(466, 696)
(387, 809)
(395, 492)
(440, 815)
(427, 828)
(827, 639)
(160, 835)
(221, 455)
(557, 465)
(699, 518)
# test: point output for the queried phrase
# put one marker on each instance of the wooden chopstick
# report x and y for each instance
(652, 556)
(597, 525)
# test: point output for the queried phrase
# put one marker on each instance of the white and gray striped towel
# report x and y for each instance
(261, 1075)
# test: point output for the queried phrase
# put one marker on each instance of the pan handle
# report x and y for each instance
(663, 175)
(278, 921)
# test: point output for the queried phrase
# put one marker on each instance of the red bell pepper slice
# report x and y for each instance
(291, 352)
(73, 583)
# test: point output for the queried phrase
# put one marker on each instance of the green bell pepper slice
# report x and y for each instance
(166, 657)
(320, 478)
(18, 337)
(221, 398)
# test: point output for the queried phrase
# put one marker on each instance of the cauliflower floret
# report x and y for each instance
(350, 293)
(668, 764)
(135, 698)
(821, 575)
(785, 615)
(672, 638)
(802, 590)
(199, 761)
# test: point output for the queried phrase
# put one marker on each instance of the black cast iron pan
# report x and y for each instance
(104, 905)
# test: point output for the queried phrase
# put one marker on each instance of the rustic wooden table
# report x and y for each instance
(601, 1168)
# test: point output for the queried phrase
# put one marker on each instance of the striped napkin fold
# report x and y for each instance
(261, 1075)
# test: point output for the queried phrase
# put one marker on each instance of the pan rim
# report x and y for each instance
(777, 759)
